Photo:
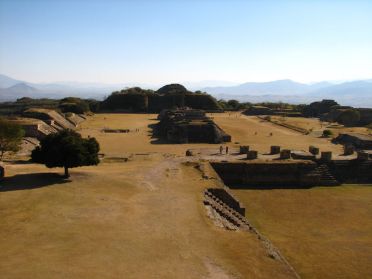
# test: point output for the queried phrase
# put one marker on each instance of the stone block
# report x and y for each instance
(274, 149)
(326, 155)
(252, 154)
(349, 149)
(243, 149)
(363, 156)
(285, 154)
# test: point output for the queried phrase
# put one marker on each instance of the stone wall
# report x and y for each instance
(228, 199)
(189, 126)
(267, 174)
(351, 171)
(294, 173)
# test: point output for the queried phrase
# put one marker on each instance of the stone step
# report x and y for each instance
(227, 213)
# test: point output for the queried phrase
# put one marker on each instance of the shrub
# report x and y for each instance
(327, 133)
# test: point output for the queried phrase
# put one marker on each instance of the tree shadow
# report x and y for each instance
(31, 181)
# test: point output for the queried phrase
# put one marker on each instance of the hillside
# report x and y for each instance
(346, 93)
(278, 87)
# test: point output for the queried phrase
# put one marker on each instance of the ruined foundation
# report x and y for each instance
(190, 126)
(294, 173)
(274, 149)
(267, 174)
(252, 154)
(285, 154)
(243, 149)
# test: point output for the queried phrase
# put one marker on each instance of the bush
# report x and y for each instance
(75, 105)
(11, 135)
(327, 133)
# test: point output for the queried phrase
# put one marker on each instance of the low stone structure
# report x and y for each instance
(363, 156)
(243, 149)
(268, 174)
(351, 171)
(302, 155)
(228, 199)
(274, 149)
(293, 173)
(252, 154)
(190, 126)
(285, 154)
(349, 149)
(326, 156)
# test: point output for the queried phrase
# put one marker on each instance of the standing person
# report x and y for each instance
(221, 148)
(227, 150)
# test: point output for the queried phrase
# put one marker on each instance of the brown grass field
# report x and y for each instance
(145, 218)
(313, 124)
(323, 232)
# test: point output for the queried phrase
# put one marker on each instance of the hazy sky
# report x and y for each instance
(171, 41)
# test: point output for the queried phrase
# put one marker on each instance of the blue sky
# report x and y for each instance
(114, 41)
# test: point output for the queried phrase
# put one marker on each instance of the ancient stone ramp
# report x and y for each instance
(50, 115)
(74, 118)
(223, 215)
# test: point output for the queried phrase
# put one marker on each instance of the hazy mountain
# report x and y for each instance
(18, 90)
(354, 93)
(278, 87)
(6, 81)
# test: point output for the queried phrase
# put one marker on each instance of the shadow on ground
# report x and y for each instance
(155, 137)
(269, 187)
(31, 181)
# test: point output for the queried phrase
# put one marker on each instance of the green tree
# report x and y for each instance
(66, 149)
(327, 133)
(233, 104)
(11, 135)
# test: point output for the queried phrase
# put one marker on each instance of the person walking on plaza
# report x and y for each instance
(227, 150)
(221, 148)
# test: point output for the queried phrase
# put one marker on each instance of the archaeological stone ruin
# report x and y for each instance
(189, 126)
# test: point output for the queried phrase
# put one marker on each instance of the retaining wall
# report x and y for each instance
(263, 174)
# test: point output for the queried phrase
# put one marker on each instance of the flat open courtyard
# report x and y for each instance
(144, 218)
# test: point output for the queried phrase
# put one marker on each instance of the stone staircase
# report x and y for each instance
(227, 216)
(326, 177)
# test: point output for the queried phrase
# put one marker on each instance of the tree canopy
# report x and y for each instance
(174, 88)
(66, 149)
(11, 135)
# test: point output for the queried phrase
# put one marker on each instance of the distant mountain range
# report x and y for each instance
(354, 93)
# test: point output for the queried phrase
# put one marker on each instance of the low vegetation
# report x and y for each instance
(327, 133)
(11, 135)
